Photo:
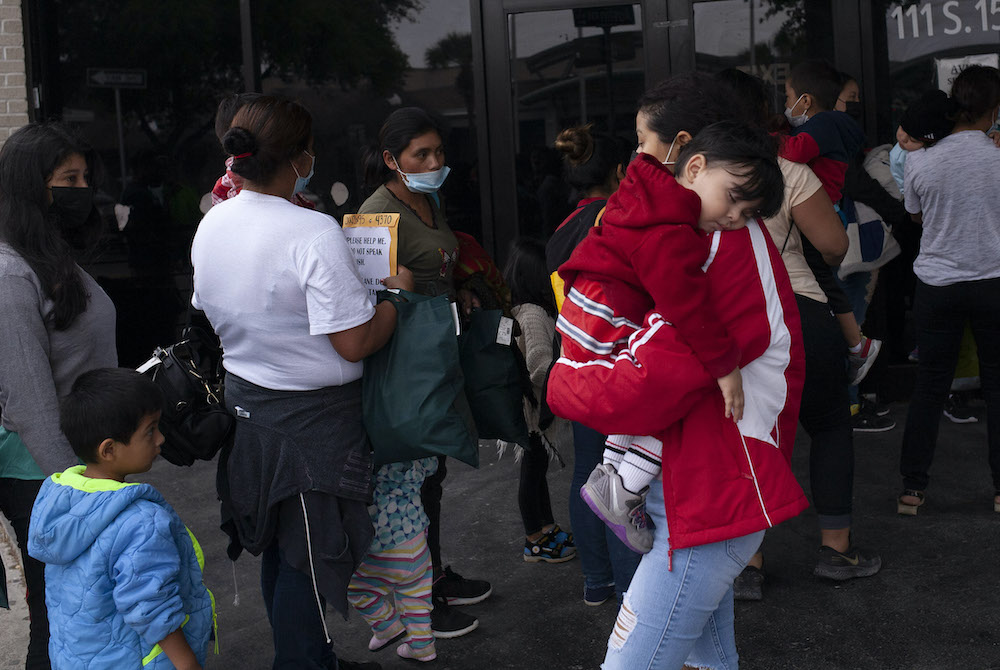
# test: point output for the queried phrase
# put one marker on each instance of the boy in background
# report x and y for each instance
(123, 576)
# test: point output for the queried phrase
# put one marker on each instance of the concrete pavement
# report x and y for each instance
(936, 603)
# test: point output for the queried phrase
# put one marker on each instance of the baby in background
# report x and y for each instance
(923, 123)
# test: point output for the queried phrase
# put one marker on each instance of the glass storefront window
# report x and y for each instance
(930, 42)
(568, 67)
(765, 38)
(350, 64)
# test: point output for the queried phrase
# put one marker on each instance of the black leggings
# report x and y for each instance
(430, 495)
(533, 489)
(16, 498)
(826, 416)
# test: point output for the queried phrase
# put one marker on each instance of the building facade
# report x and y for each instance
(505, 75)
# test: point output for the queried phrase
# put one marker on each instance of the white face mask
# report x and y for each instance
(796, 121)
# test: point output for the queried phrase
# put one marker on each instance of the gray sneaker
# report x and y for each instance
(860, 363)
(623, 511)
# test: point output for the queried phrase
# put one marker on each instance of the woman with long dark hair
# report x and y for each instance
(57, 324)
(950, 189)
(281, 289)
(406, 170)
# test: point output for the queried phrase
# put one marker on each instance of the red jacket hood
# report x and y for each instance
(649, 195)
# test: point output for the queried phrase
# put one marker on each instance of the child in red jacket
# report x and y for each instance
(644, 265)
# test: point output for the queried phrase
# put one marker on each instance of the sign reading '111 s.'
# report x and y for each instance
(955, 17)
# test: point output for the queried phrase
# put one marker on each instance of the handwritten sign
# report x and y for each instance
(373, 239)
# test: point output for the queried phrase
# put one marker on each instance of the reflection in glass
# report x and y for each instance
(928, 43)
(763, 37)
(568, 67)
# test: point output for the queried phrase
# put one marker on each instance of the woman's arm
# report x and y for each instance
(819, 222)
(29, 397)
(364, 340)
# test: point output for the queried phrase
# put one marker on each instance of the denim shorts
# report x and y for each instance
(683, 615)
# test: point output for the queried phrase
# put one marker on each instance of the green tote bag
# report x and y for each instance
(413, 398)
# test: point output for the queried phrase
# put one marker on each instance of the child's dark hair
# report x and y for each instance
(688, 101)
(820, 80)
(228, 107)
(106, 403)
(750, 94)
(744, 151)
(976, 91)
(265, 134)
(527, 277)
(402, 126)
(590, 159)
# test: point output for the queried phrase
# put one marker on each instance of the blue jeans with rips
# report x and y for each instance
(604, 558)
(684, 615)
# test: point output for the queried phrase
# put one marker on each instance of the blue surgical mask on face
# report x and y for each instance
(423, 182)
(300, 181)
(796, 121)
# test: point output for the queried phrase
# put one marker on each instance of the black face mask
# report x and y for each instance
(72, 205)
(854, 110)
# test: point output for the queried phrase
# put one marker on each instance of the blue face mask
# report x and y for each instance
(423, 182)
(300, 181)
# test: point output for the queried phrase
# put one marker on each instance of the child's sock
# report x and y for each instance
(856, 349)
(614, 449)
(641, 463)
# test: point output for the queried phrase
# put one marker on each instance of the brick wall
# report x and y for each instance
(13, 90)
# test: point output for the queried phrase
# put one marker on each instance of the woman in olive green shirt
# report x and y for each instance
(406, 170)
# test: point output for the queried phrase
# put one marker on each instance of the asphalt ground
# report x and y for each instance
(935, 604)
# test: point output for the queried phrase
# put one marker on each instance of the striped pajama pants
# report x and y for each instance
(392, 591)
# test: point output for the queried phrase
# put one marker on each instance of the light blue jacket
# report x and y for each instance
(121, 573)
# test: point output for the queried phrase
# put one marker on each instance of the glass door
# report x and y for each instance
(552, 65)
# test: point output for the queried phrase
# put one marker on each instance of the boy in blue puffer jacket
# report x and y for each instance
(123, 576)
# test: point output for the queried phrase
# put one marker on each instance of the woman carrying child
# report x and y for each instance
(281, 289)
(949, 190)
(57, 324)
(722, 484)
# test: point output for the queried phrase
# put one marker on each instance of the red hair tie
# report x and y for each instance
(246, 155)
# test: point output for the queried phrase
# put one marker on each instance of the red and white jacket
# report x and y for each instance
(720, 480)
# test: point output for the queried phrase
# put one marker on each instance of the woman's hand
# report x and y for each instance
(403, 279)
(468, 300)
(995, 136)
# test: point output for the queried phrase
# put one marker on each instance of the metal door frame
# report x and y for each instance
(494, 102)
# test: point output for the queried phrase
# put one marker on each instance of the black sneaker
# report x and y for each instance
(354, 665)
(867, 421)
(852, 563)
(749, 584)
(956, 408)
(597, 595)
(458, 590)
(448, 622)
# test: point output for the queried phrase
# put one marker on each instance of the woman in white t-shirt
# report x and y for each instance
(951, 190)
(281, 289)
